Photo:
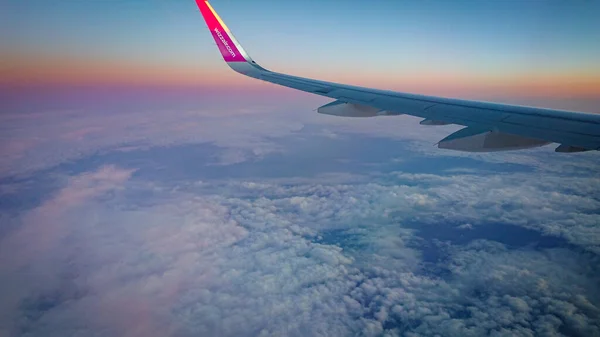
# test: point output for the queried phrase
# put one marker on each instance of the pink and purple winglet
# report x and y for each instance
(225, 41)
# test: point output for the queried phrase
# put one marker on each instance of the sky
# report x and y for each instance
(506, 50)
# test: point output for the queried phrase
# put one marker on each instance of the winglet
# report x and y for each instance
(230, 49)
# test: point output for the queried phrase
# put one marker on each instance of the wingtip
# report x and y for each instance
(230, 49)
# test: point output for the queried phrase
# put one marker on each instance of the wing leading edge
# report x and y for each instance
(488, 126)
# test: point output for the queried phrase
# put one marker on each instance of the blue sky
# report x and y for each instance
(424, 46)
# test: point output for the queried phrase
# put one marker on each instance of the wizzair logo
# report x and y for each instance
(224, 42)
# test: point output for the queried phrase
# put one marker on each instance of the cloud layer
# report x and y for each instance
(307, 226)
(315, 257)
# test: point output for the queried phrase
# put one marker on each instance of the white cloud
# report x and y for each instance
(28, 253)
(38, 141)
(330, 255)
(310, 257)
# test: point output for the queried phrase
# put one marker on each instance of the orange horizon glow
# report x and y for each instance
(27, 70)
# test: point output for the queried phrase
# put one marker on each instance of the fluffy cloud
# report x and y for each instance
(553, 205)
(304, 257)
(38, 141)
(339, 253)
(27, 258)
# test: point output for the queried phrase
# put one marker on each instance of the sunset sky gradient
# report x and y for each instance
(489, 50)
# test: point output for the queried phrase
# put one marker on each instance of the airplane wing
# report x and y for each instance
(488, 126)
